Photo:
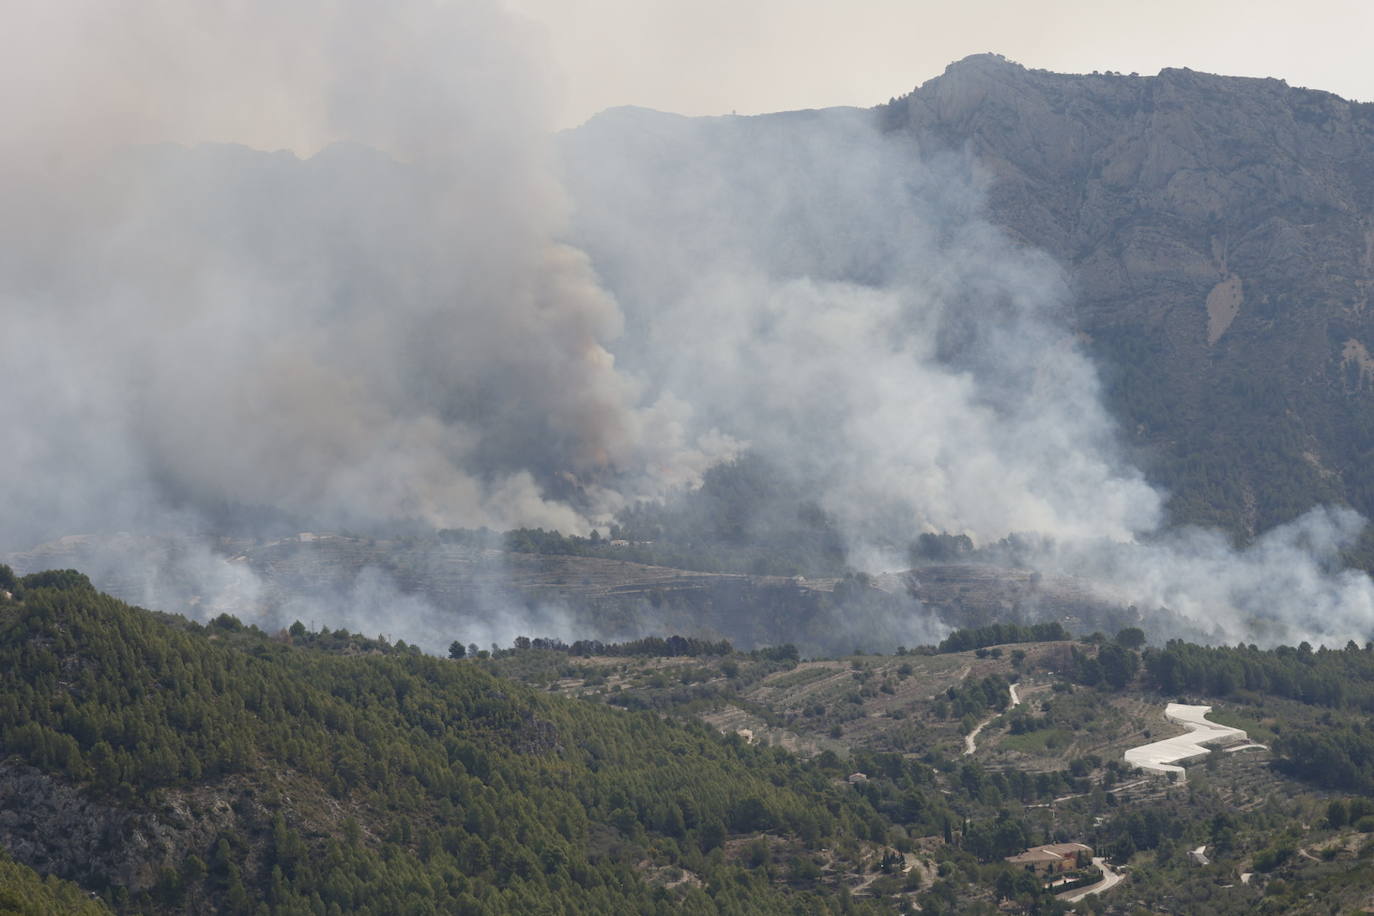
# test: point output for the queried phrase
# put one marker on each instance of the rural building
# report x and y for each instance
(1053, 859)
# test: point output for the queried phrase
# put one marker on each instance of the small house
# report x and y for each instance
(1053, 859)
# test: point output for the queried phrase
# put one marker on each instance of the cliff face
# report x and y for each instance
(1219, 237)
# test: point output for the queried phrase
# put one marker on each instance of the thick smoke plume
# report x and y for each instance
(422, 310)
(836, 297)
(833, 294)
(387, 329)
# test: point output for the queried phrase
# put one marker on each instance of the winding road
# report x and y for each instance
(970, 740)
(1110, 879)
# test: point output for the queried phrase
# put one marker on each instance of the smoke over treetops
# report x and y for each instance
(430, 311)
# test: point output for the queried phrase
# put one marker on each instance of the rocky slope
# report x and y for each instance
(1219, 237)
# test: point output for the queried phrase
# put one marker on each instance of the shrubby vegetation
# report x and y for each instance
(1250, 467)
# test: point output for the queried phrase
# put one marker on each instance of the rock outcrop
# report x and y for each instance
(1219, 236)
(57, 828)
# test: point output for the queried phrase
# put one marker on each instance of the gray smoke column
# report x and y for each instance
(835, 295)
(837, 298)
(388, 328)
(403, 315)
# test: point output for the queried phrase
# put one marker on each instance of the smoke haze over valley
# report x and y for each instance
(436, 313)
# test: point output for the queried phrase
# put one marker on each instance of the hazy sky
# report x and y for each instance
(717, 56)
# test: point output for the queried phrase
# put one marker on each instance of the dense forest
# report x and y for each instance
(382, 780)
(25, 893)
(1000, 634)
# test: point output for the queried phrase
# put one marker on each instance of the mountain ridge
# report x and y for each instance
(1222, 225)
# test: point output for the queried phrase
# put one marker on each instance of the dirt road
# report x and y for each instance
(970, 740)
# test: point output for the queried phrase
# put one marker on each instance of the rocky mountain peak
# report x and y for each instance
(1217, 231)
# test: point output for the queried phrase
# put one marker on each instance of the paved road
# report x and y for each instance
(970, 743)
(1110, 879)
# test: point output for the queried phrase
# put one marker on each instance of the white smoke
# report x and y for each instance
(406, 318)
(837, 298)
(387, 329)
(835, 295)
(1286, 587)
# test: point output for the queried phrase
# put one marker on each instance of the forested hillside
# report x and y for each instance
(238, 768)
(165, 766)
(25, 893)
